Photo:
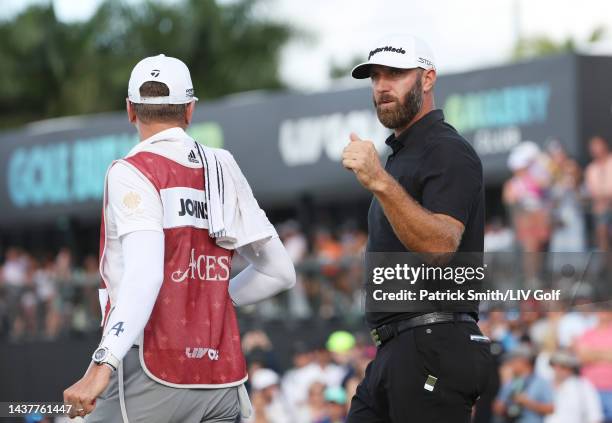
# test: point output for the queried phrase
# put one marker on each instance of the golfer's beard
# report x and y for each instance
(401, 114)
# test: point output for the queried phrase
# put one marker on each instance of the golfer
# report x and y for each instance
(428, 198)
(174, 214)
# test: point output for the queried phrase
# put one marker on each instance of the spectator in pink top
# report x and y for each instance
(598, 180)
(525, 196)
(594, 348)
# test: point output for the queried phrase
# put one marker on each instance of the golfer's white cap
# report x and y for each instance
(401, 51)
(168, 70)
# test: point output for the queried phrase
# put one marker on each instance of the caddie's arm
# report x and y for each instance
(270, 271)
(142, 243)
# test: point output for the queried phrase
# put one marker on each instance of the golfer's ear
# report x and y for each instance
(189, 112)
(428, 80)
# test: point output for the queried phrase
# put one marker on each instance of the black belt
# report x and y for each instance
(383, 333)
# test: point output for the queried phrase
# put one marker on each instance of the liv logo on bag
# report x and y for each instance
(199, 352)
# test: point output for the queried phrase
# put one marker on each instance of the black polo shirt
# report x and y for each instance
(443, 173)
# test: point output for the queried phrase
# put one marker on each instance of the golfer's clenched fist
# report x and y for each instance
(362, 158)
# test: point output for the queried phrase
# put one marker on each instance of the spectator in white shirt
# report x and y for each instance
(296, 381)
(572, 325)
(576, 400)
(268, 401)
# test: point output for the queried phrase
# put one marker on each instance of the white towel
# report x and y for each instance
(234, 216)
(214, 191)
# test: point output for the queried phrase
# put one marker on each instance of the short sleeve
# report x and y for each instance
(451, 179)
(504, 393)
(133, 202)
(543, 391)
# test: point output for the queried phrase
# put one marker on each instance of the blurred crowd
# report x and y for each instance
(47, 297)
(552, 202)
(553, 366)
(316, 388)
(329, 267)
(553, 206)
(550, 367)
(55, 295)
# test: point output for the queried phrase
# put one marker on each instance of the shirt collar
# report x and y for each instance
(170, 134)
(415, 131)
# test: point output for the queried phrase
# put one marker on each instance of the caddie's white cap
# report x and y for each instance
(401, 51)
(168, 70)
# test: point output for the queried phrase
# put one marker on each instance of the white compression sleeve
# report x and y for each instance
(270, 271)
(143, 274)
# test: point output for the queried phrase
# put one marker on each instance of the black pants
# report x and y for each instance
(394, 391)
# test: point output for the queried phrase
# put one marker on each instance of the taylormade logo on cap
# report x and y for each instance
(168, 70)
(393, 49)
(397, 51)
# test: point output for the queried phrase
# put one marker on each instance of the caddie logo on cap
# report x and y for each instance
(167, 70)
(400, 51)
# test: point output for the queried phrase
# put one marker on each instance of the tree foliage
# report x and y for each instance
(542, 45)
(343, 70)
(52, 68)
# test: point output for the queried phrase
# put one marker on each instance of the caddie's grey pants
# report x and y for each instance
(152, 402)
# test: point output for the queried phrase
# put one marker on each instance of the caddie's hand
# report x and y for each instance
(362, 158)
(82, 395)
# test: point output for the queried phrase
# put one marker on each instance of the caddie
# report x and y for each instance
(174, 214)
